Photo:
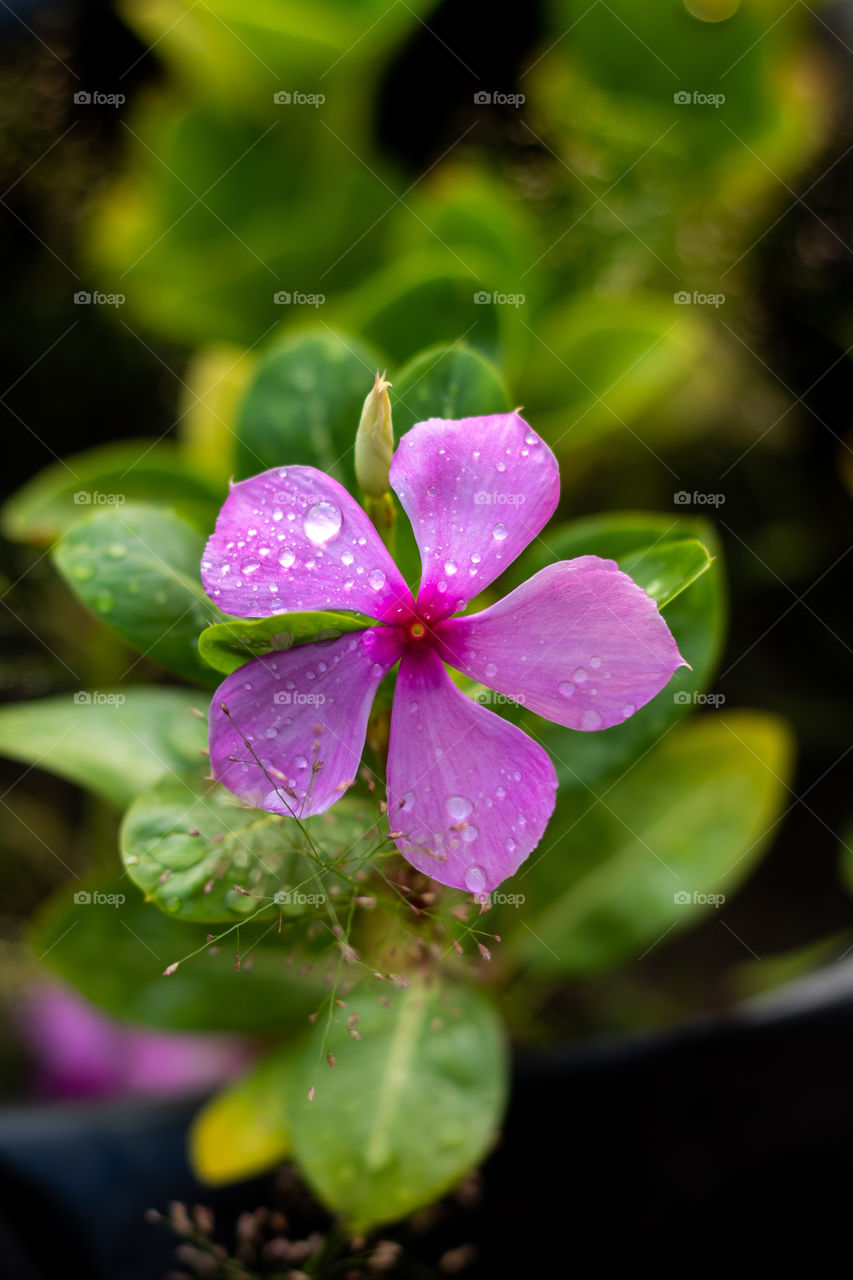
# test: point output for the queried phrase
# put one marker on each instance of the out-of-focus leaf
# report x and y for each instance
(214, 383)
(666, 570)
(114, 947)
(623, 865)
(137, 568)
(446, 382)
(103, 479)
(303, 406)
(230, 644)
(245, 1129)
(359, 1142)
(191, 846)
(114, 742)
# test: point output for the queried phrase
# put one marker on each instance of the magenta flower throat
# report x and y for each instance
(579, 643)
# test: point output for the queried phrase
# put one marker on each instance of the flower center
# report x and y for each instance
(417, 630)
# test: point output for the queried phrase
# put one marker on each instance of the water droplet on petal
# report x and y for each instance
(322, 522)
(278, 514)
(458, 808)
(595, 663)
(510, 845)
(531, 438)
(408, 802)
(591, 720)
(347, 558)
(579, 675)
(500, 531)
(500, 792)
(628, 710)
(286, 559)
(450, 567)
(376, 578)
(567, 689)
(490, 670)
(474, 879)
(271, 732)
(469, 833)
(476, 557)
(301, 762)
(250, 566)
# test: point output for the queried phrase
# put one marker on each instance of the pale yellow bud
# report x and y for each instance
(374, 441)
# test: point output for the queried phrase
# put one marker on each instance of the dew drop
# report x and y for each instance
(413, 706)
(469, 833)
(474, 879)
(450, 567)
(301, 762)
(286, 559)
(628, 710)
(322, 522)
(595, 663)
(458, 808)
(500, 792)
(408, 802)
(271, 732)
(567, 689)
(347, 558)
(579, 675)
(476, 557)
(250, 566)
(500, 531)
(278, 514)
(531, 438)
(490, 670)
(591, 720)
(376, 578)
(510, 845)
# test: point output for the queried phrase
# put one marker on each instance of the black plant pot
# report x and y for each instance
(664, 1153)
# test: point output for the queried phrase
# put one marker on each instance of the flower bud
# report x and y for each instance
(374, 441)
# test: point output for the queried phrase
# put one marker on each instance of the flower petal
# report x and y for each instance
(470, 792)
(579, 643)
(476, 490)
(291, 738)
(293, 538)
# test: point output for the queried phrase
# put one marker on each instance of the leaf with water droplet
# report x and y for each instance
(230, 644)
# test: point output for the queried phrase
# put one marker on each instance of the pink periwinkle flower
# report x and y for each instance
(469, 793)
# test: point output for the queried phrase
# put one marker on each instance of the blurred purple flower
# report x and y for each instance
(578, 643)
(80, 1052)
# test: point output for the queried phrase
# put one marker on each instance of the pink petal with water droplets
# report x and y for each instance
(471, 793)
(291, 739)
(476, 490)
(579, 643)
(292, 539)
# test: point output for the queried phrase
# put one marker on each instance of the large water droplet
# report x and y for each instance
(286, 559)
(591, 720)
(450, 567)
(458, 808)
(500, 531)
(322, 522)
(376, 578)
(474, 879)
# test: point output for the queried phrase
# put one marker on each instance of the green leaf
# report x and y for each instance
(137, 568)
(695, 613)
(245, 1129)
(691, 818)
(103, 479)
(446, 382)
(408, 1109)
(303, 406)
(114, 742)
(116, 948)
(191, 846)
(228, 645)
(664, 571)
